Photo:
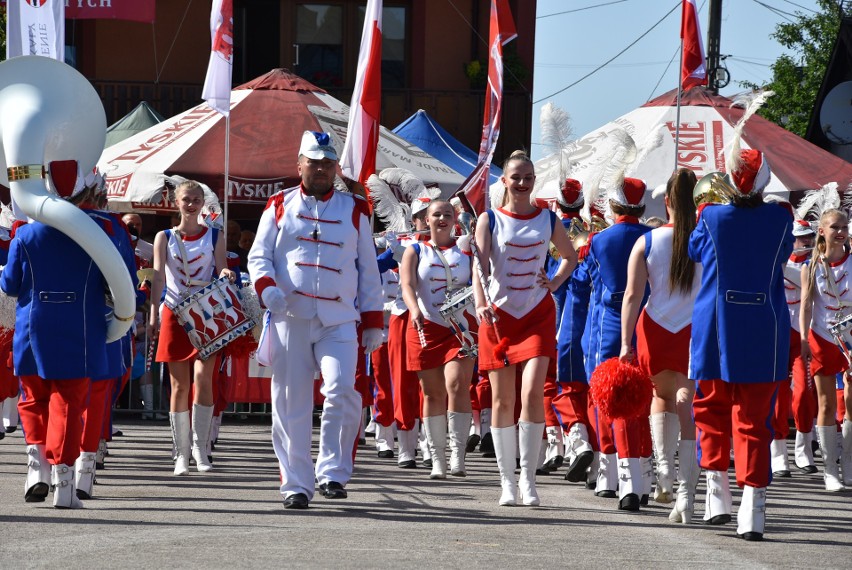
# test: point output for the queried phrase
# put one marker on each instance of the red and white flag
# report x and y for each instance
(217, 84)
(692, 67)
(502, 31)
(358, 160)
(35, 27)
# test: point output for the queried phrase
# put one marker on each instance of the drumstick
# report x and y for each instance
(422, 337)
(500, 349)
(151, 347)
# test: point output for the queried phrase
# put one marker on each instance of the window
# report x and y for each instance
(319, 44)
(393, 44)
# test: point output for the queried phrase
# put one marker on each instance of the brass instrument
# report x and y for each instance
(713, 188)
(403, 235)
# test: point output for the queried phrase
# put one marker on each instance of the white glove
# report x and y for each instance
(463, 242)
(371, 339)
(274, 299)
(392, 240)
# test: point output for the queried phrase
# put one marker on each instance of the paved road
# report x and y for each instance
(143, 516)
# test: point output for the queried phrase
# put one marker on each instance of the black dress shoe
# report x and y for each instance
(386, 454)
(10, 429)
(591, 485)
(486, 446)
(719, 519)
(333, 490)
(784, 474)
(606, 494)
(37, 493)
(809, 469)
(296, 501)
(644, 500)
(577, 469)
(410, 464)
(554, 463)
(427, 462)
(2, 434)
(542, 471)
(472, 442)
(117, 433)
(751, 536)
(629, 502)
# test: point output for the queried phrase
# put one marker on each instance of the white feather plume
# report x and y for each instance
(818, 201)
(7, 217)
(394, 213)
(496, 194)
(556, 136)
(652, 141)
(752, 103)
(623, 154)
(658, 192)
(410, 187)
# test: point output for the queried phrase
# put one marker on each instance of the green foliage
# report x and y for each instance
(514, 70)
(2, 34)
(796, 78)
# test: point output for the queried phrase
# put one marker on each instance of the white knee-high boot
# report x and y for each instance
(38, 481)
(607, 482)
(803, 454)
(529, 438)
(202, 418)
(687, 478)
(458, 429)
(630, 485)
(436, 437)
(828, 446)
(182, 440)
(85, 475)
(780, 465)
(751, 517)
(846, 457)
(555, 455)
(718, 502)
(665, 428)
(505, 449)
(407, 442)
(64, 494)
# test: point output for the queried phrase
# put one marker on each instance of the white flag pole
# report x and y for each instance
(227, 172)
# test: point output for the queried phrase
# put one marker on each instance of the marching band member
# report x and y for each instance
(660, 258)
(429, 271)
(58, 287)
(826, 282)
(186, 258)
(803, 389)
(606, 264)
(312, 260)
(516, 330)
(740, 342)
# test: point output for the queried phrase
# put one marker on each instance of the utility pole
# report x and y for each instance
(714, 55)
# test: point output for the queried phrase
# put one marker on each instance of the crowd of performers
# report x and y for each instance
(458, 332)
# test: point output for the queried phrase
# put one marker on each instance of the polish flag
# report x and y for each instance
(692, 67)
(217, 84)
(358, 160)
(474, 190)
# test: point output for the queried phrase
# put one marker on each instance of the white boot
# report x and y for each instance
(215, 425)
(665, 428)
(384, 440)
(423, 444)
(592, 473)
(10, 414)
(407, 441)
(436, 436)
(202, 420)
(37, 485)
(182, 440)
(475, 435)
(687, 478)
(458, 429)
(828, 447)
(846, 457)
(506, 450)
(646, 464)
(718, 502)
(630, 485)
(751, 517)
(555, 455)
(64, 495)
(578, 453)
(486, 446)
(803, 453)
(529, 437)
(607, 482)
(85, 475)
(778, 453)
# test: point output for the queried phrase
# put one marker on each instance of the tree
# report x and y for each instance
(2, 34)
(796, 78)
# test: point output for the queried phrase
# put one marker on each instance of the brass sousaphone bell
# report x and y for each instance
(713, 188)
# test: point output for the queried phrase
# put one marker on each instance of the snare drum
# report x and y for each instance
(213, 317)
(458, 310)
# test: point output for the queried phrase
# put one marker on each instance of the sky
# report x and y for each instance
(570, 45)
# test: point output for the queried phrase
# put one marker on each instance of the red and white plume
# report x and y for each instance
(358, 160)
(752, 103)
(217, 83)
(693, 70)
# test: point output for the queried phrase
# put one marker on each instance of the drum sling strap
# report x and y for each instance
(838, 335)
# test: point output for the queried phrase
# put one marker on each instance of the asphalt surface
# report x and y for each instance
(144, 517)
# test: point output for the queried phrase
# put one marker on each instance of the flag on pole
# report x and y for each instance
(502, 31)
(692, 68)
(217, 84)
(35, 27)
(358, 160)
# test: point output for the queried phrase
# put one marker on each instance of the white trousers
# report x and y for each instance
(300, 348)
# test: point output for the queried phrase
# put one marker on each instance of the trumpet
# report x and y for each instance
(713, 188)
(402, 235)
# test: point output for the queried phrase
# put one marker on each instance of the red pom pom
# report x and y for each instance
(243, 345)
(621, 391)
(501, 348)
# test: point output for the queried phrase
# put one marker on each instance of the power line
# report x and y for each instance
(588, 65)
(802, 7)
(613, 58)
(580, 9)
(776, 11)
(660, 80)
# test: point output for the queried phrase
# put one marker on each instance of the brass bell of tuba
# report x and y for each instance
(713, 188)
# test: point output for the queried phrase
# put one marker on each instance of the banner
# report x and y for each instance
(133, 10)
(692, 68)
(358, 161)
(502, 31)
(35, 27)
(217, 83)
